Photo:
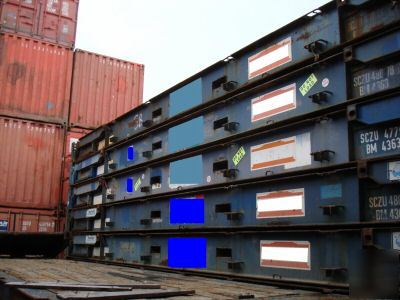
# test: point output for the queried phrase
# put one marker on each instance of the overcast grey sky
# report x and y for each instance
(177, 38)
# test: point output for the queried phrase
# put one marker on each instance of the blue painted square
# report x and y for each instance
(129, 185)
(3, 225)
(188, 171)
(187, 252)
(130, 153)
(186, 135)
(186, 97)
(331, 191)
(186, 211)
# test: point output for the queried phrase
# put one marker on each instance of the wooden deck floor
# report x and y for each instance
(67, 271)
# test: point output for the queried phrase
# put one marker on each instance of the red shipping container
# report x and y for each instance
(30, 164)
(52, 20)
(35, 79)
(103, 88)
(28, 220)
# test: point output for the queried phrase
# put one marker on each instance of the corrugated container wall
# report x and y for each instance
(103, 89)
(28, 220)
(30, 164)
(35, 79)
(52, 20)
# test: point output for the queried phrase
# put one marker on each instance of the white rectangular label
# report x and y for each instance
(96, 251)
(290, 153)
(98, 199)
(100, 170)
(394, 170)
(273, 103)
(285, 254)
(90, 239)
(92, 212)
(270, 58)
(97, 224)
(280, 204)
(396, 240)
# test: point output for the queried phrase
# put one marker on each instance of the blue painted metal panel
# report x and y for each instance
(185, 97)
(280, 101)
(377, 48)
(150, 147)
(240, 207)
(278, 157)
(186, 211)
(247, 254)
(381, 136)
(375, 112)
(322, 26)
(186, 172)
(186, 135)
(187, 252)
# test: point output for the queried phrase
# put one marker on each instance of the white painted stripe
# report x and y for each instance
(100, 170)
(269, 58)
(280, 203)
(291, 254)
(90, 239)
(272, 154)
(98, 199)
(300, 149)
(269, 104)
(97, 224)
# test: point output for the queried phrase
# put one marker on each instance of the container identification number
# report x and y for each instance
(378, 141)
(385, 207)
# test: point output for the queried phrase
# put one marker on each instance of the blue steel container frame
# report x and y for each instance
(372, 67)
(322, 25)
(313, 256)
(239, 207)
(319, 199)
(297, 149)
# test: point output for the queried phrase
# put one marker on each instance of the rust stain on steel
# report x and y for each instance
(35, 79)
(30, 164)
(305, 36)
(53, 21)
(103, 88)
(15, 71)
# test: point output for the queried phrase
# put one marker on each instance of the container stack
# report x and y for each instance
(279, 164)
(48, 95)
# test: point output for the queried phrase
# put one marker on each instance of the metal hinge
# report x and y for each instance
(230, 173)
(316, 47)
(320, 97)
(330, 210)
(323, 155)
(147, 154)
(229, 86)
(231, 126)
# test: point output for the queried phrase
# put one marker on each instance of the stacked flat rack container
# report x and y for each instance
(43, 83)
(278, 164)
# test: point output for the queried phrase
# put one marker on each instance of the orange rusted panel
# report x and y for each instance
(51, 20)
(30, 164)
(103, 88)
(35, 79)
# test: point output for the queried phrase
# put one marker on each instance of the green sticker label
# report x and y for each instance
(137, 184)
(308, 84)
(238, 156)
